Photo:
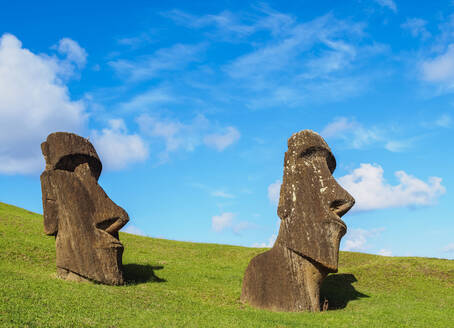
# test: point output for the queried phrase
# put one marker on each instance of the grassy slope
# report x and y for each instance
(203, 284)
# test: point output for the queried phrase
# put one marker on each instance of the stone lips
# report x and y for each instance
(79, 213)
(288, 277)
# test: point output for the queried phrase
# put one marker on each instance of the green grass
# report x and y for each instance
(181, 284)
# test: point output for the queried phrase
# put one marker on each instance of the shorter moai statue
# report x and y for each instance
(288, 277)
(77, 211)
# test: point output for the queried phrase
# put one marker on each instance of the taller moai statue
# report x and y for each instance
(77, 211)
(288, 277)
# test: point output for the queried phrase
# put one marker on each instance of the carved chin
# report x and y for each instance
(333, 232)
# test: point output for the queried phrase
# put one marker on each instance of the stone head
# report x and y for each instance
(78, 212)
(311, 202)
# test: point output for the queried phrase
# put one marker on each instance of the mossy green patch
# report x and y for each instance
(181, 284)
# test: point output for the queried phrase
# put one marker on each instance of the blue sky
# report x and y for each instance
(190, 105)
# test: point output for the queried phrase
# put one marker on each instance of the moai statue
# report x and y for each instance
(288, 277)
(77, 211)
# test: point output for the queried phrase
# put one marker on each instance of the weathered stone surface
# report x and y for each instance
(77, 211)
(288, 277)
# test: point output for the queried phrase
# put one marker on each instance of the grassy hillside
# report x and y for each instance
(180, 284)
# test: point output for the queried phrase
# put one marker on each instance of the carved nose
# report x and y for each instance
(113, 218)
(112, 225)
(340, 206)
(342, 203)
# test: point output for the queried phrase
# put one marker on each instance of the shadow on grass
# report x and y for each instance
(338, 290)
(141, 273)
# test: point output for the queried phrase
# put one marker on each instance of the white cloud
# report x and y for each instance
(135, 41)
(221, 194)
(371, 191)
(385, 252)
(176, 57)
(440, 69)
(186, 136)
(272, 238)
(227, 221)
(117, 148)
(230, 26)
(352, 132)
(449, 248)
(444, 121)
(396, 146)
(294, 63)
(176, 135)
(357, 239)
(417, 27)
(268, 244)
(390, 4)
(223, 221)
(338, 127)
(73, 51)
(132, 229)
(34, 98)
(225, 21)
(220, 141)
(357, 136)
(148, 100)
(274, 192)
(237, 228)
(315, 61)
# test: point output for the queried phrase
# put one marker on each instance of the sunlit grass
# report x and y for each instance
(180, 284)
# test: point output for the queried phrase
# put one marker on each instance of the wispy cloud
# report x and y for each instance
(132, 229)
(136, 41)
(231, 26)
(214, 192)
(148, 100)
(449, 248)
(268, 244)
(295, 63)
(357, 239)
(385, 252)
(313, 58)
(222, 140)
(357, 136)
(224, 21)
(444, 121)
(274, 191)
(179, 136)
(175, 134)
(417, 28)
(226, 220)
(73, 51)
(390, 4)
(222, 194)
(372, 192)
(272, 238)
(174, 58)
(440, 69)
(221, 222)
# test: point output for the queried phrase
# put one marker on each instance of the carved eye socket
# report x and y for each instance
(70, 162)
(316, 151)
(312, 151)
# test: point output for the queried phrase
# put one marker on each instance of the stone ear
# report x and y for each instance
(50, 206)
(45, 149)
(283, 209)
